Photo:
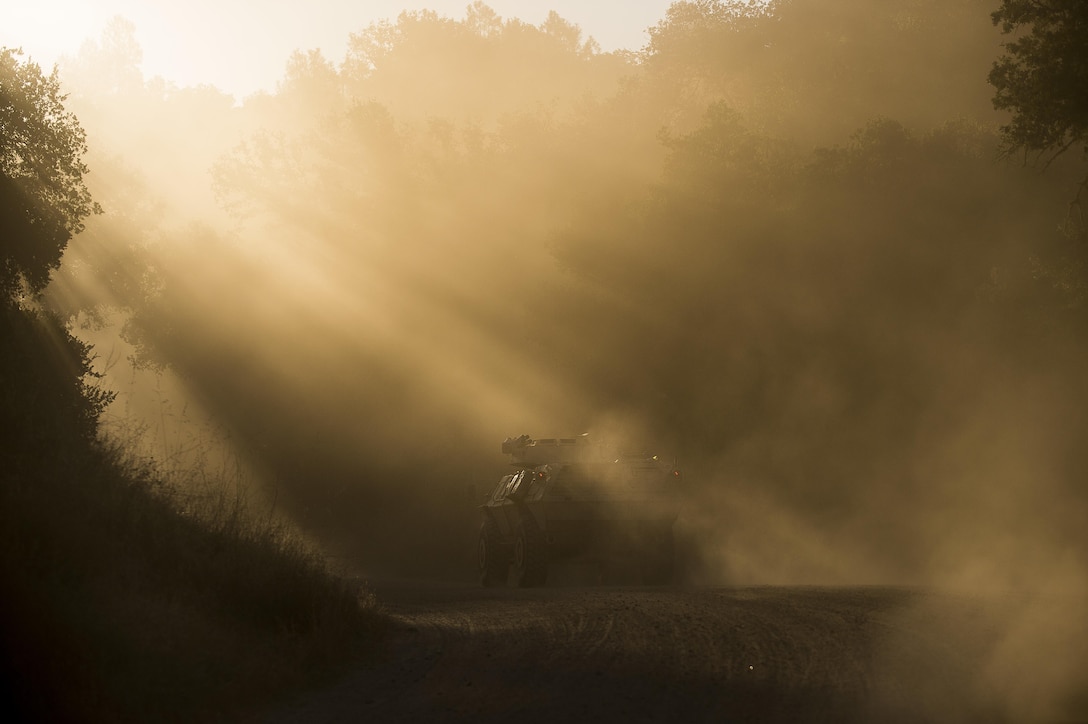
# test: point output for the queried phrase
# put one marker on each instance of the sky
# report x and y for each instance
(241, 46)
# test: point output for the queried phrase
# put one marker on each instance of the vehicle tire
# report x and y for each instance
(493, 561)
(530, 564)
(658, 567)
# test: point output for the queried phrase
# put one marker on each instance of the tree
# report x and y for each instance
(108, 65)
(1043, 75)
(43, 199)
(815, 70)
(1042, 79)
(48, 407)
(45, 397)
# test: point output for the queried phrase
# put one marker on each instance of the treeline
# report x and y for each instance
(786, 243)
(121, 601)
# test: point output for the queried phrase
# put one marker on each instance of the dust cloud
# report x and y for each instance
(778, 244)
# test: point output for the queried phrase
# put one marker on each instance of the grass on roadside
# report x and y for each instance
(118, 607)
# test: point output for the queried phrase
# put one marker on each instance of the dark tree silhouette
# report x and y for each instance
(44, 395)
(1043, 75)
(43, 199)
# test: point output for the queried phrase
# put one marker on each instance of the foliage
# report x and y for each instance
(1043, 74)
(477, 69)
(776, 237)
(120, 604)
(110, 65)
(765, 252)
(49, 404)
(814, 71)
(43, 199)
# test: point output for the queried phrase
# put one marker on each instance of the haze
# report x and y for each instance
(780, 245)
(241, 46)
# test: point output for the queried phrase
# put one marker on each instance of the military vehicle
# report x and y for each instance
(568, 498)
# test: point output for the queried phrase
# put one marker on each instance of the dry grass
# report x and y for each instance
(119, 607)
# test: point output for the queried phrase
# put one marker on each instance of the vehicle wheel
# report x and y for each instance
(491, 559)
(658, 566)
(530, 554)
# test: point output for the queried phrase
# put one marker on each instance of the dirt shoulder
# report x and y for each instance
(645, 655)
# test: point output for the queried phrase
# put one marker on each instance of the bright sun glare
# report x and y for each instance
(241, 46)
(34, 27)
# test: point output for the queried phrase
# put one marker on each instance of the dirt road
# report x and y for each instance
(753, 654)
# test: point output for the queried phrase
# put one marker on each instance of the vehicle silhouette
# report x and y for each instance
(568, 498)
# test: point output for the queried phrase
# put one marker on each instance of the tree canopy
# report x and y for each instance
(763, 238)
(1043, 75)
(43, 199)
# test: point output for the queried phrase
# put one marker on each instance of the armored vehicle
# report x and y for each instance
(568, 498)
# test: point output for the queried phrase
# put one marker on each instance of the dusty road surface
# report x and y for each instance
(751, 654)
